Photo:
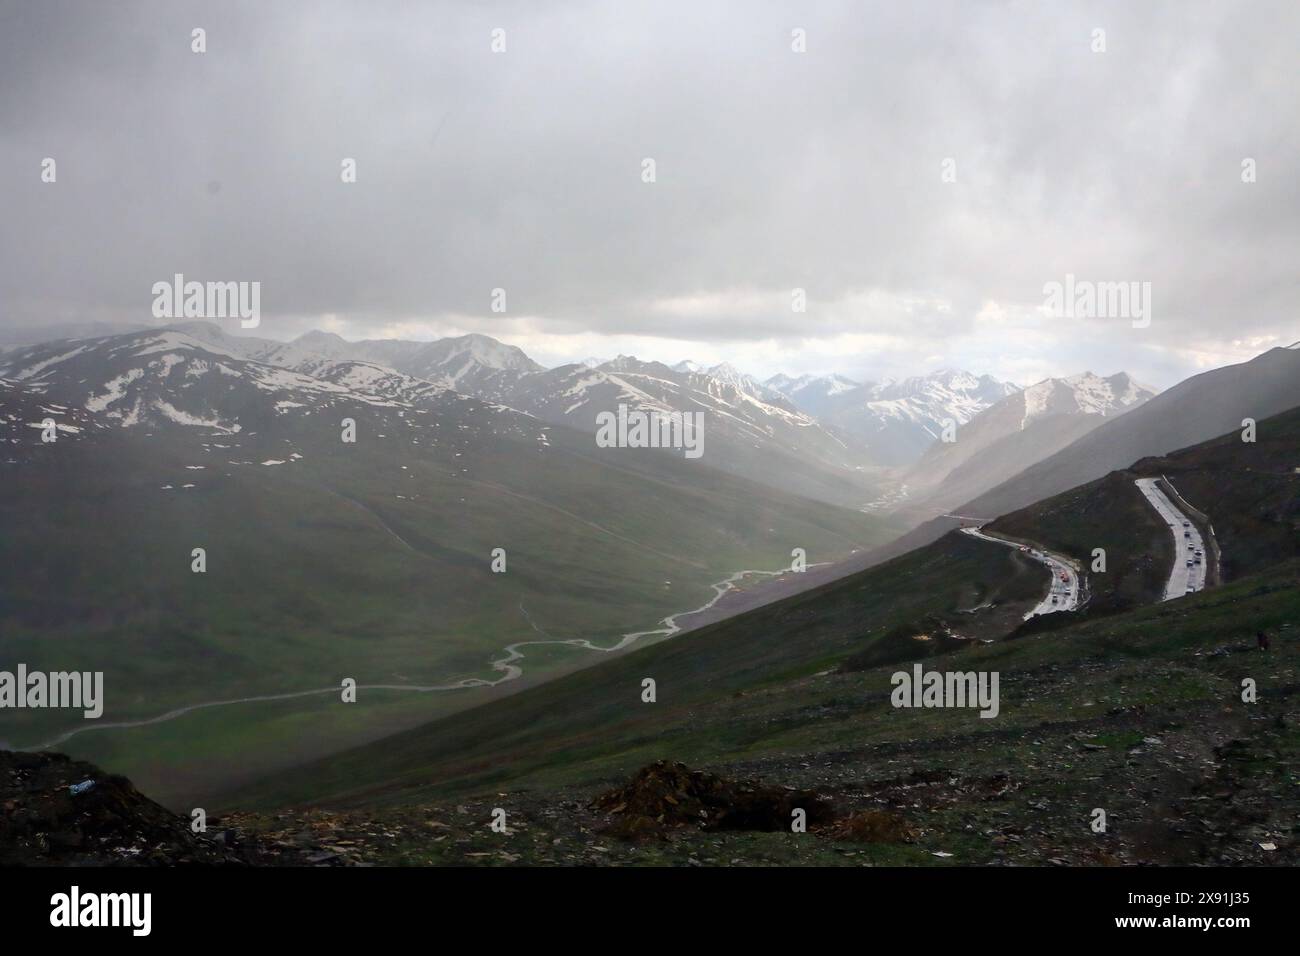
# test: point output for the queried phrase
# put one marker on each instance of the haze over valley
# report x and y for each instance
(648, 434)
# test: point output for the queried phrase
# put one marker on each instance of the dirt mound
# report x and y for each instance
(57, 811)
(874, 826)
(668, 794)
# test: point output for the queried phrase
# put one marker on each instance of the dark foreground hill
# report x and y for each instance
(1152, 733)
(1139, 715)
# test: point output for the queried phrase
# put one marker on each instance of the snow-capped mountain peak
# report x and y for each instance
(485, 351)
(168, 378)
(315, 346)
(1085, 393)
(966, 394)
(1015, 433)
(622, 363)
(817, 395)
(728, 374)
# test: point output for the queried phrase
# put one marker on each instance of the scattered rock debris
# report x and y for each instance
(667, 794)
(55, 811)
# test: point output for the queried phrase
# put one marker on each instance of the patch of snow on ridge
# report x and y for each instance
(584, 383)
(1036, 398)
(1086, 394)
(116, 390)
(1093, 395)
(631, 394)
(130, 418)
(185, 418)
(167, 362)
(33, 370)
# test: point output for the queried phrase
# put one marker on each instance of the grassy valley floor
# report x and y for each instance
(1138, 714)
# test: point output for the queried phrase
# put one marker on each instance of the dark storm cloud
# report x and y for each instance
(775, 170)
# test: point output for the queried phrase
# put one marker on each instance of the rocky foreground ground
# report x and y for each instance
(1216, 789)
(60, 812)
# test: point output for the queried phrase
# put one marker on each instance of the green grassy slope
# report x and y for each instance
(318, 570)
(1138, 711)
(1139, 714)
(598, 711)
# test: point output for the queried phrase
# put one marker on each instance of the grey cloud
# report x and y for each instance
(775, 170)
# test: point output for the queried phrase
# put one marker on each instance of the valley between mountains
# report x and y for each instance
(1133, 705)
(500, 588)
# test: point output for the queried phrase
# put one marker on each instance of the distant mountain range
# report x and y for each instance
(751, 430)
(1195, 410)
(370, 559)
(895, 421)
(1016, 432)
(16, 337)
(825, 437)
(812, 393)
(1098, 697)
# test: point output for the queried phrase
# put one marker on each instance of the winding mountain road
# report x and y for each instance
(1063, 593)
(1187, 576)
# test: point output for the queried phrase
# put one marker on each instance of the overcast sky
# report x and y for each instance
(775, 170)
